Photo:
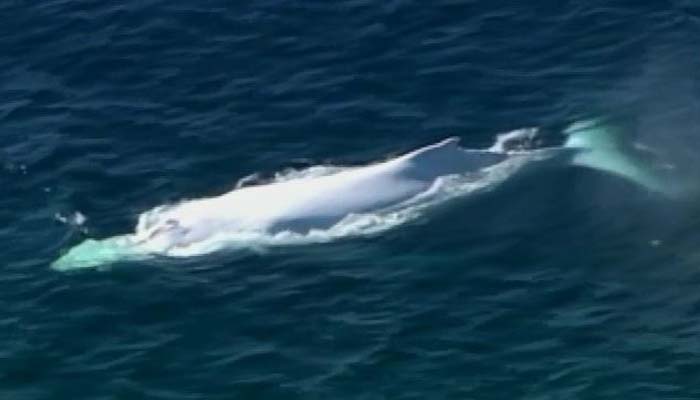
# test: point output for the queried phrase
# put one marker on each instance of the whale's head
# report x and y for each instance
(96, 253)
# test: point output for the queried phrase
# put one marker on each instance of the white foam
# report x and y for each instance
(516, 141)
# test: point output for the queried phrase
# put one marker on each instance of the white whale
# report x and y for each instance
(311, 204)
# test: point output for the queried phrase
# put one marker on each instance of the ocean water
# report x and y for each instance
(558, 284)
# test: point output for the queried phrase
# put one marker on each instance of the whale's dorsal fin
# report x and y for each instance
(451, 143)
(447, 157)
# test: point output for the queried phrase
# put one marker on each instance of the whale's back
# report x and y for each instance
(447, 158)
(303, 204)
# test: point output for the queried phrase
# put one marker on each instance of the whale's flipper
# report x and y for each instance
(447, 157)
(600, 147)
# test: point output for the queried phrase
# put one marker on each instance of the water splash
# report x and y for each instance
(76, 219)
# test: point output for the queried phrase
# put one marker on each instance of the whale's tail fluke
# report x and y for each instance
(600, 147)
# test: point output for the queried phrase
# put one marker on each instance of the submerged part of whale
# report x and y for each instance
(326, 203)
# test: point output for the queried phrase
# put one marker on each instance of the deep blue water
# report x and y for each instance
(567, 284)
